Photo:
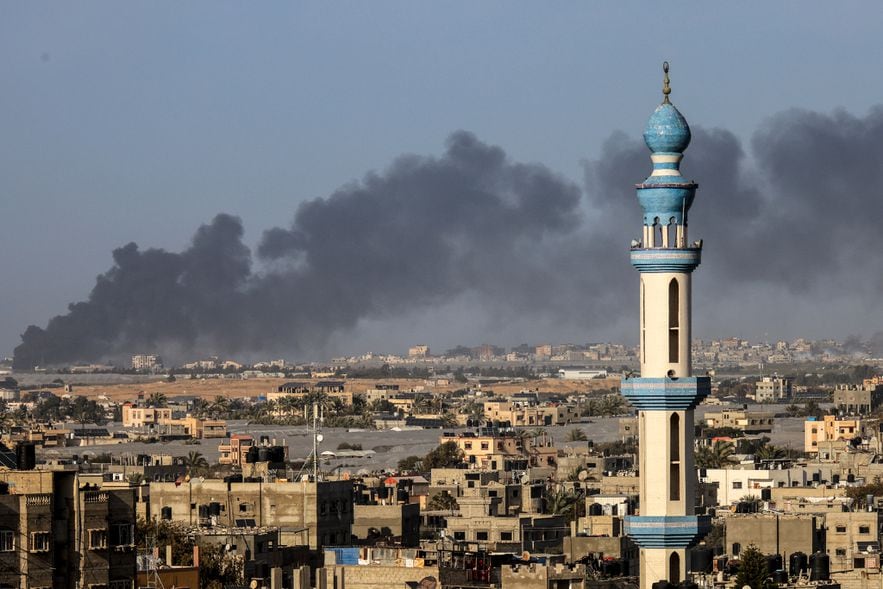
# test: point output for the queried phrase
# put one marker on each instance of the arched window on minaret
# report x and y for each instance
(672, 231)
(673, 323)
(674, 568)
(674, 457)
(657, 233)
(643, 324)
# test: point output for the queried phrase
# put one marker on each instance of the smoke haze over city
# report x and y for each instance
(275, 185)
(510, 240)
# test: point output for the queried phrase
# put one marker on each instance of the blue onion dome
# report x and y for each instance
(667, 130)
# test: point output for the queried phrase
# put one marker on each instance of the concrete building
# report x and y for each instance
(773, 533)
(771, 389)
(307, 513)
(750, 422)
(418, 351)
(56, 531)
(830, 428)
(851, 534)
(666, 392)
(146, 362)
(858, 400)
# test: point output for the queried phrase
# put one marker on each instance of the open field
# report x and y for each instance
(210, 388)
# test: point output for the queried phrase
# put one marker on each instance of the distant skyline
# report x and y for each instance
(141, 122)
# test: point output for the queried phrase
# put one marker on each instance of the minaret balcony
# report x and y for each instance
(667, 531)
(661, 259)
(666, 394)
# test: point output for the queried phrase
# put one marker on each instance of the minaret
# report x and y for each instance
(666, 392)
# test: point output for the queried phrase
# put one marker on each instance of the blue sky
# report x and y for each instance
(139, 121)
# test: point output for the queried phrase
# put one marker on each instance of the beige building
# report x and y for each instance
(860, 400)
(771, 389)
(418, 351)
(138, 417)
(307, 513)
(773, 534)
(741, 419)
(849, 535)
(498, 450)
(828, 429)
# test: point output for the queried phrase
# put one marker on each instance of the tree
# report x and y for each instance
(561, 502)
(157, 400)
(447, 455)
(195, 462)
(443, 502)
(410, 464)
(770, 452)
(576, 435)
(753, 570)
(718, 455)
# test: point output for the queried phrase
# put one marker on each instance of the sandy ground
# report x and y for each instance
(236, 388)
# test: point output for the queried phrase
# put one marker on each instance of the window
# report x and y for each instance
(40, 542)
(459, 536)
(673, 324)
(7, 540)
(737, 484)
(484, 445)
(864, 530)
(481, 535)
(841, 529)
(674, 568)
(840, 552)
(858, 563)
(505, 536)
(737, 548)
(97, 539)
(122, 534)
(468, 445)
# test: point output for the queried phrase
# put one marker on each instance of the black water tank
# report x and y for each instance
(26, 456)
(685, 584)
(797, 564)
(263, 454)
(277, 454)
(766, 494)
(781, 577)
(167, 513)
(773, 563)
(252, 455)
(700, 560)
(663, 585)
(819, 567)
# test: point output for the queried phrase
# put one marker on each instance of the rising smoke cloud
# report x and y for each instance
(801, 216)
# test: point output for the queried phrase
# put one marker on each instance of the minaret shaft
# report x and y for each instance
(666, 393)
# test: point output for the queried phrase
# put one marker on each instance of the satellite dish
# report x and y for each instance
(253, 584)
(525, 555)
(583, 475)
(319, 437)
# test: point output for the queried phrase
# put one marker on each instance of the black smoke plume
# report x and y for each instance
(797, 222)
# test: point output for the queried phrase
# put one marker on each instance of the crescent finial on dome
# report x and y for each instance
(666, 88)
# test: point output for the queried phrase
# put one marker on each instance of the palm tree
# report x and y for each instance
(158, 400)
(718, 455)
(219, 407)
(135, 479)
(560, 502)
(576, 435)
(770, 452)
(195, 462)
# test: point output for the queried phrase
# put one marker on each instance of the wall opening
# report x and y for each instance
(673, 320)
(674, 456)
(674, 568)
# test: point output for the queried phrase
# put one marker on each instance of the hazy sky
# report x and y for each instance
(139, 122)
